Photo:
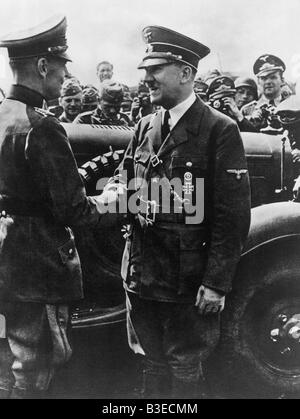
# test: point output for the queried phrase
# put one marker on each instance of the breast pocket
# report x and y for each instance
(185, 167)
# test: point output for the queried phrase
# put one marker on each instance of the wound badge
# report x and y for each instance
(237, 172)
(188, 187)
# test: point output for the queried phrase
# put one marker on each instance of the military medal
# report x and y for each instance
(188, 187)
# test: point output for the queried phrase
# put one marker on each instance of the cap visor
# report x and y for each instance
(268, 72)
(149, 62)
(224, 93)
(64, 56)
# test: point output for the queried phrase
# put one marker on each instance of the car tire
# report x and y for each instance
(100, 252)
(257, 356)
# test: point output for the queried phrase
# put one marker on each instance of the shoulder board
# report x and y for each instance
(43, 112)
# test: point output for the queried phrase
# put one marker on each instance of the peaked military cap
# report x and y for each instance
(221, 86)
(267, 64)
(166, 46)
(48, 38)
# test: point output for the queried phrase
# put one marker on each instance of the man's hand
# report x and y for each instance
(233, 109)
(209, 301)
(111, 195)
(257, 115)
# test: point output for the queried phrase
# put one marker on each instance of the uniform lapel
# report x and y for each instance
(153, 134)
(189, 123)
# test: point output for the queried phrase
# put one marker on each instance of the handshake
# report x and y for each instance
(111, 194)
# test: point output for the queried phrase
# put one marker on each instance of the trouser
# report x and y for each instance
(36, 344)
(174, 340)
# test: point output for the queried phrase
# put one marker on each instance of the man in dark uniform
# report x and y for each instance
(269, 70)
(200, 88)
(41, 190)
(177, 271)
(108, 111)
(246, 91)
(90, 99)
(70, 100)
(141, 105)
(221, 96)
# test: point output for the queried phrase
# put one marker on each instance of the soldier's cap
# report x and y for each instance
(220, 87)
(70, 88)
(247, 82)
(46, 39)
(90, 95)
(167, 46)
(267, 64)
(111, 92)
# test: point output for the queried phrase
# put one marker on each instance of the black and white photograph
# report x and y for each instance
(150, 202)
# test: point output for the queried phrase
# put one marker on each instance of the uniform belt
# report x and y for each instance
(15, 206)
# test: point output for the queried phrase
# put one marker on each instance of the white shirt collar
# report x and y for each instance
(263, 100)
(179, 110)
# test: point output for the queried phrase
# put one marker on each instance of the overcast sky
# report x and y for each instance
(237, 31)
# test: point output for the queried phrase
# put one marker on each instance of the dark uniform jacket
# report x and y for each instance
(42, 190)
(96, 117)
(170, 260)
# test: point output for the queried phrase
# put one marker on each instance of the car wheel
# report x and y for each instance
(100, 252)
(259, 352)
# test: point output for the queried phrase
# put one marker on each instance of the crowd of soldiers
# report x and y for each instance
(250, 103)
(177, 272)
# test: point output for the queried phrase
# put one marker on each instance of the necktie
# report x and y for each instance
(272, 102)
(165, 129)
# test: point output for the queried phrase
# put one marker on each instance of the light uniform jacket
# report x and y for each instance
(41, 189)
(170, 260)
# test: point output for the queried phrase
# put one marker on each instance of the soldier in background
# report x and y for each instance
(70, 100)
(221, 96)
(269, 70)
(126, 104)
(246, 91)
(108, 110)
(200, 88)
(141, 105)
(104, 71)
(90, 99)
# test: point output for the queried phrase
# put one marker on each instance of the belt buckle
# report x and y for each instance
(151, 212)
(155, 161)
